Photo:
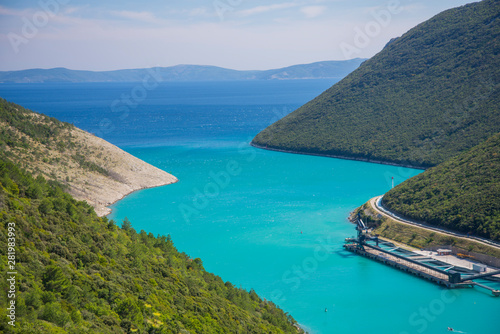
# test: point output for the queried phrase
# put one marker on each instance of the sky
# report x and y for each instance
(103, 35)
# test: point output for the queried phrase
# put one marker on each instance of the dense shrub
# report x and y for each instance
(78, 273)
(461, 194)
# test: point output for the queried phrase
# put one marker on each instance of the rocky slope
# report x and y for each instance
(89, 167)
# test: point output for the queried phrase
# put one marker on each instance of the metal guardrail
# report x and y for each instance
(379, 205)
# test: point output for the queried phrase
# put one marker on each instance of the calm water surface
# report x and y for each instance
(270, 221)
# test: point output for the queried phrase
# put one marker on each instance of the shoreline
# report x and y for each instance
(106, 210)
(343, 157)
(126, 175)
(90, 168)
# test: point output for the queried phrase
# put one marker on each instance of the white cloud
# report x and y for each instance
(12, 12)
(264, 9)
(199, 12)
(95, 37)
(137, 16)
(72, 10)
(312, 11)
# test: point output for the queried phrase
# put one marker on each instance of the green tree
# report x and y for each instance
(53, 279)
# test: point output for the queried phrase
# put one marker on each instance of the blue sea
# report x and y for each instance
(270, 221)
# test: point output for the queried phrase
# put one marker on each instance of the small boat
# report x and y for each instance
(450, 329)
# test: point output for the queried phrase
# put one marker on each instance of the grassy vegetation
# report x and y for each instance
(461, 194)
(78, 273)
(418, 237)
(25, 135)
(427, 96)
(37, 126)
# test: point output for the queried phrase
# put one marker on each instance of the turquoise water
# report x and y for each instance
(278, 224)
(265, 220)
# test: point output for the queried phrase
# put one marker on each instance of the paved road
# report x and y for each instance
(377, 205)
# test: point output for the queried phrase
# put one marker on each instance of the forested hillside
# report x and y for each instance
(427, 96)
(78, 273)
(462, 194)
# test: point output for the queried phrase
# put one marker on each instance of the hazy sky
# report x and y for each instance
(238, 34)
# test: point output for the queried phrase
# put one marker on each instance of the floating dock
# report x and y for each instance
(433, 270)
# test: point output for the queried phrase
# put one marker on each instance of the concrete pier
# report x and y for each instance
(406, 266)
(420, 265)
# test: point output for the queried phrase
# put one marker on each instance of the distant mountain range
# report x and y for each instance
(318, 70)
